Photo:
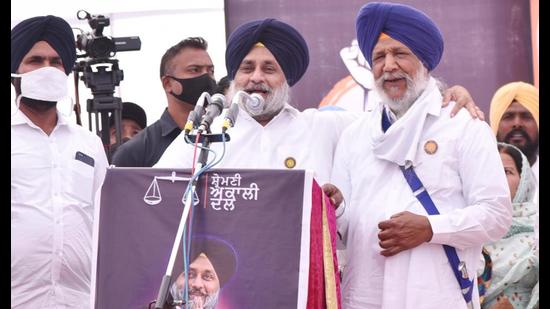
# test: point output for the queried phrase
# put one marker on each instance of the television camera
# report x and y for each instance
(100, 72)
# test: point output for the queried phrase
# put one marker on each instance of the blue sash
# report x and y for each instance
(458, 267)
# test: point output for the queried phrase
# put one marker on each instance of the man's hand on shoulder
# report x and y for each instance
(462, 98)
(502, 303)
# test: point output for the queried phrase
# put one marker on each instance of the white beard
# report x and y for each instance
(415, 87)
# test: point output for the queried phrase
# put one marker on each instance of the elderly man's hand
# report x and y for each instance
(403, 231)
(502, 303)
(334, 194)
(462, 98)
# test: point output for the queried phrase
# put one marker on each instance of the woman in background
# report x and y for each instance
(515, 261)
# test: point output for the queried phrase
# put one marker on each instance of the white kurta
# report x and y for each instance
(52, 211)
(465, 179)
(309, 137)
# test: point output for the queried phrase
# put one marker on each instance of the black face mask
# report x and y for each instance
(194, 87)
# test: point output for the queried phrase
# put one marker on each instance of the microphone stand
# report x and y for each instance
(205, 140)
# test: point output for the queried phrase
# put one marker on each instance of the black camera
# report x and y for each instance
(96, 45)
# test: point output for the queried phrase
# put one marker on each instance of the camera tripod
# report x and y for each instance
(102, 83)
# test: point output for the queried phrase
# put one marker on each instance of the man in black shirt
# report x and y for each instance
(186, 71)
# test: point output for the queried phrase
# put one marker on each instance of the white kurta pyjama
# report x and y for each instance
(52, 212)
(465, 179)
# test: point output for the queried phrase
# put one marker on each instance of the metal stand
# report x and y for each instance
(102, 84)
(206, 140)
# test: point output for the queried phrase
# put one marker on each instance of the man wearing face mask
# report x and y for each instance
(57, 169)
(186, 71)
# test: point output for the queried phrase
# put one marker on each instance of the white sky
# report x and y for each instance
(159, 24)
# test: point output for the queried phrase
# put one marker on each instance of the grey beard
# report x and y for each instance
(415, 87)
(274, 102)
(210, 301)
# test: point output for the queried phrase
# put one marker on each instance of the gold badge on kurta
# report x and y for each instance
(290, 162)
(430, 147)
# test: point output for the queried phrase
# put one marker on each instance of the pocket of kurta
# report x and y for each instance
(81, 178)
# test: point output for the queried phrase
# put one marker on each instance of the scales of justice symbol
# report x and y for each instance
(153, 196)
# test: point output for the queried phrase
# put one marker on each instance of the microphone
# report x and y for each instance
(255, 103)
(195, 115)
(213, 110)
(230, 116)
(252, 103)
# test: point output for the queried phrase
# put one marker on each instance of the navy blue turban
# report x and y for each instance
(403, 23)
(54, 30)
(220, 253)
(283, 41)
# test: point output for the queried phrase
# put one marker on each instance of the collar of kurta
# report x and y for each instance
(287, 110)
(399, 143)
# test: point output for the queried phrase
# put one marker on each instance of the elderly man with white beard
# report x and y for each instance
(423, 190)
(268, 57)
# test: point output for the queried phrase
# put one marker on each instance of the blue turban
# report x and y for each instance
(283, 41)
(54, 30)
(403, 23)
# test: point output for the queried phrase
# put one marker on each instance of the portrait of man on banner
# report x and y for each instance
(250, 245)
(213, 262)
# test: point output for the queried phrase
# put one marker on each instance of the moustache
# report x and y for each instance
(391, 76)
(258, 87)
(197, 292)
(521, 132)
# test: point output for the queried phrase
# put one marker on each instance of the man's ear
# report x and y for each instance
(171, 85)
(166, 83)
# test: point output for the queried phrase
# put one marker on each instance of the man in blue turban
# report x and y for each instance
(285, 43)
(403, 23)
(264, 58)
(52, 38)
(57, 168)
(414, 178)
(51, 29)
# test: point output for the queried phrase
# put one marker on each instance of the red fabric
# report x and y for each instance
(316, 285)
(331, 216)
